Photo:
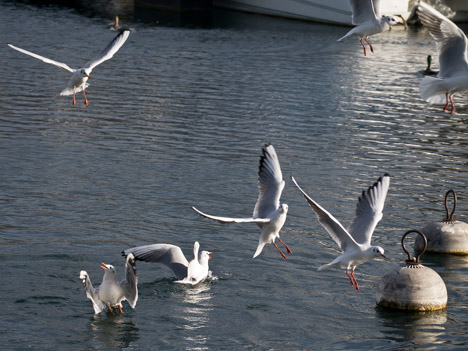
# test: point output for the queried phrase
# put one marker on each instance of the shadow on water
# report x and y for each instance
(112, 330)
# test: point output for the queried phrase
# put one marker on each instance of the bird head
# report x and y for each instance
(84, 73)
(378, 251)
(392, 21)
(284, 208)
(108, 267)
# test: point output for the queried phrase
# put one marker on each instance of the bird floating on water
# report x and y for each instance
(268, 214)
(78, 81)
(355, 242)
(111, 292)
(368, 21)
(453, 65)
(192, 272)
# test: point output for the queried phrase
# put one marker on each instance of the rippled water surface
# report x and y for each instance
(178, 118)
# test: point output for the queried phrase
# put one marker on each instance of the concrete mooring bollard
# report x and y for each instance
(413, 287)
(449, 236)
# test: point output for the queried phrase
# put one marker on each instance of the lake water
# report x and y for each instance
(178, 118)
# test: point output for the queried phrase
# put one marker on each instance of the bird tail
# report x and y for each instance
(259, 249)
(69, 91)
(324, 266)
(432, 90)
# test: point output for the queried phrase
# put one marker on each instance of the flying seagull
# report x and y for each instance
(78, 81)
(355, 242)
(268, 214)
(111, 292)
(453, 65)
(368, 21)
(192, 272)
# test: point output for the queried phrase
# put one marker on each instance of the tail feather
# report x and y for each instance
(432, 90)
(324, 266)
(259, 249)
(69, 91)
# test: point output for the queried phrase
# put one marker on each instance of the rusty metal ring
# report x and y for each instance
(449, 216)
(413, 260)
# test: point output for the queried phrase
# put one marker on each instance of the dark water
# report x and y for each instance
(178, 118)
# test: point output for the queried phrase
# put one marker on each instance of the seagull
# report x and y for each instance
(78, 81)
(192, 272)
(268, 214)
(111, 293)
(453, 64)
(368, 21)
(355, 242)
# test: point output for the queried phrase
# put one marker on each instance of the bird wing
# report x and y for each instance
(43, 59)
(92, 293)
(130, 283)
(344, 240)
(231, 220)
(450, 40)
(376, 5)
(363, 11)
(270, 183)
(169, 255)
(109, 51)
(369, 210)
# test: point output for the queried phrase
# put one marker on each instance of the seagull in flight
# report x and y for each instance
(111, 292)
(192, 272)
(355, 242)
(453, 65)
(268, 214)
(80, 76)
(368, 21)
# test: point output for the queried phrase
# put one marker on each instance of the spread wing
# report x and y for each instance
(270, 183)
(450, 40)
(130, 284)
(169, 255)
(231, 220)
(109, 51)
(363, 11)
(344, 240)
(369, 211)
(92, 293)
(43, 59)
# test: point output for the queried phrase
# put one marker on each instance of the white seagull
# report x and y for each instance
(453, 64)
(192, 272)
(355, 242)
(368, 21)
(78, 81)
(268, 213)
(111, 292)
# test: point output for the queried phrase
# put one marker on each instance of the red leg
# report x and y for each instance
(370, 45)
(281, 252)
(74, 100)
(363, 47)
(350, 278)
(120, 308)
(447, 99)
(453, 106)
(356, 285)
(86, 103)
(286, 246)
(110, 309)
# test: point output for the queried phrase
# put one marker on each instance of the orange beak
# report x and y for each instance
(210, 253)
(104, 266)
(89, 77)
(383, 256)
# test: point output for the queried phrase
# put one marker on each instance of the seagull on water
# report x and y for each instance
(78, 81)
(111, 292)
(368, 21)
(192, 272)
(268, 214)
(355, 242)
(453, 64)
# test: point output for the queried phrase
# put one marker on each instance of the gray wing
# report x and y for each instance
(232, 220)
(109, 51)
(363, 11)
(130, 284)
(92, 293)
(169, 255)
(270, 183)
(43, 59)
(369, 210)
(450, 40)
(344, 240)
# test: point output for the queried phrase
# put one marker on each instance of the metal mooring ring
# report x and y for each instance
(413, 260)
(449, 216)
